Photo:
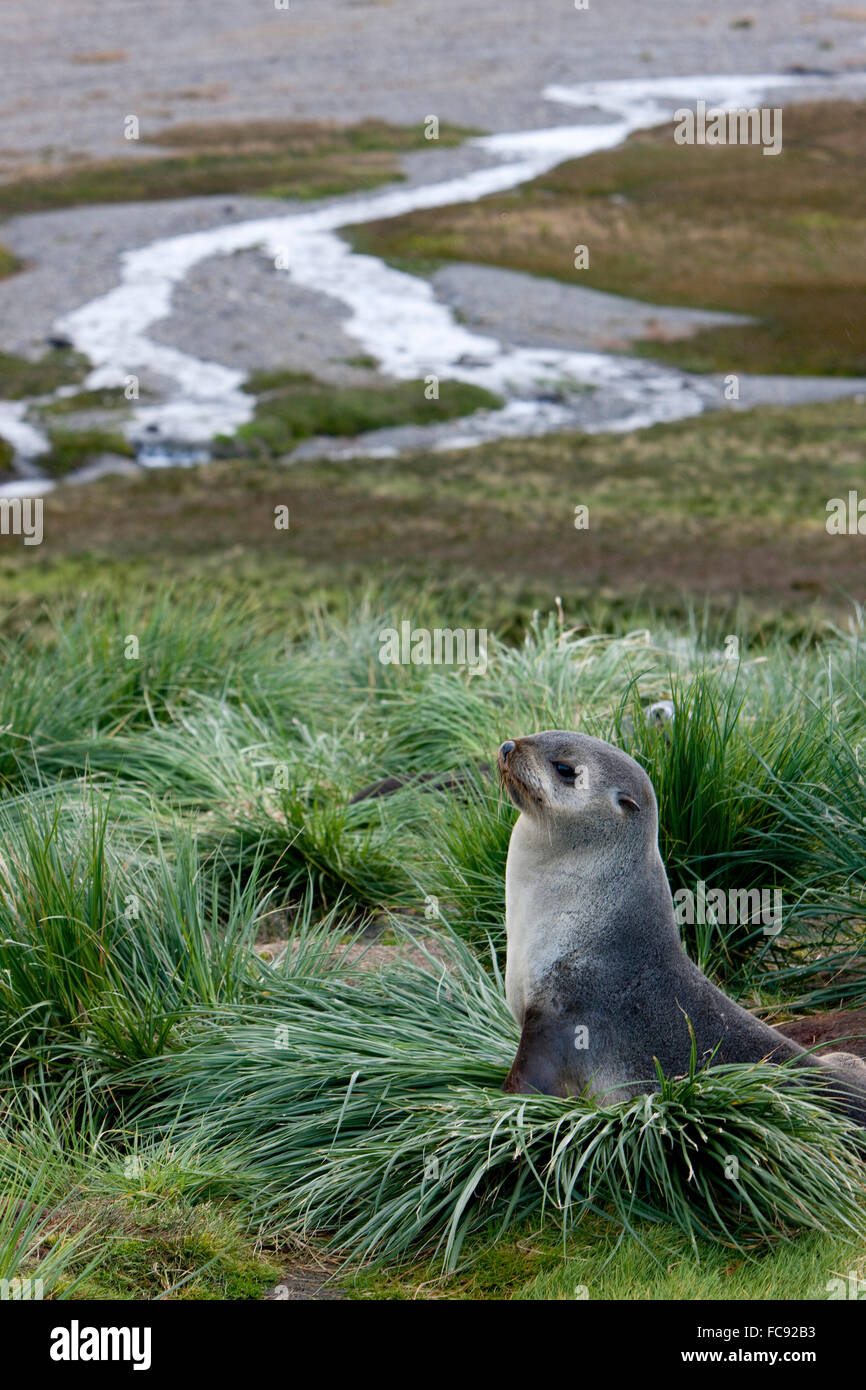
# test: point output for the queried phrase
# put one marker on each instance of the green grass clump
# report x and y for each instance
(7, 454)
(711, 769)
(292, 407)
(108, 398)
(471, 846)
(72, 449)
(20, 377)
(9, 263)
(104, 947)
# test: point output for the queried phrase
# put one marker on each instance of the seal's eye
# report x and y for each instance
(565, 771)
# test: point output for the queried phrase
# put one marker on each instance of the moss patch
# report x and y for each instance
(156, 1248)
(19, 377)
(9, 263)
(292, 406)
(110, 398)
(71, 449)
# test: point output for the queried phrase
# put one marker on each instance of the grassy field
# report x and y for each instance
(710, 227)
(280, 159)
(727, 511)
(213, 967)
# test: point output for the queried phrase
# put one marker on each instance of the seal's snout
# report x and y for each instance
(511, 777)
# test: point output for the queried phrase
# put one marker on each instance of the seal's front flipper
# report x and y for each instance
(544, 1060)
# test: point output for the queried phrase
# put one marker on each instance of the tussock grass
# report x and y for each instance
(712, 768)
(468, 870)
(102, 952)
(67, 683)
(376, 1117)
(159, 814)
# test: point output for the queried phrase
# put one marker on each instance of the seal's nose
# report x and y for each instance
(507, 747)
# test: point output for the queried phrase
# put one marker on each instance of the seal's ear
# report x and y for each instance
(627, 802)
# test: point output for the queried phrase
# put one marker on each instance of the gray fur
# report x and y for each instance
(593, 942)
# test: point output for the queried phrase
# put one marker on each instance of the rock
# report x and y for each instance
(467, 359)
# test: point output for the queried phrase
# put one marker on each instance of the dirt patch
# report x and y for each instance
(842, 1031)
(308, 1277)
(97, 59)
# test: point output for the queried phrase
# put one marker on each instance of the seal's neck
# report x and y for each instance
(595, 904)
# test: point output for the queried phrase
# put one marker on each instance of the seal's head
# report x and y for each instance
(579, 787)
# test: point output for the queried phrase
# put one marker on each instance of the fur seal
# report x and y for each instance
(596, 974)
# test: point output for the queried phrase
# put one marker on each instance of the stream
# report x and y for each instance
(393, 316)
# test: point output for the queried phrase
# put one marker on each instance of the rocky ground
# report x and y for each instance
(73, 73)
